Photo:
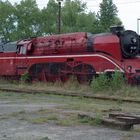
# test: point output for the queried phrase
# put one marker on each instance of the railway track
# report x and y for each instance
(69, 93)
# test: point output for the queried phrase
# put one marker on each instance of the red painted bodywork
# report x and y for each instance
(109, 44)
(71, 50)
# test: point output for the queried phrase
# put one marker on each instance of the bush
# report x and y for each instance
(117, 80)
(105, 82)
(100, 83)
(24, 77)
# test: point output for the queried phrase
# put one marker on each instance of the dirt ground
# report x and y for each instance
(38, 117)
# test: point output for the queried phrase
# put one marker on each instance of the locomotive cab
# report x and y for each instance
(23, 47)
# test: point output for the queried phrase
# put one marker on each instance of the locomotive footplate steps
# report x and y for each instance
(115, 120)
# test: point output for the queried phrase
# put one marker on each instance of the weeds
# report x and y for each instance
(46, 138)
(72, 84)
(104, 82)
(67, 121)
(117, 80)
(100, 83)
(97, 120)
(53, 117)
(25, 77)
(92, 121)
(40, 120)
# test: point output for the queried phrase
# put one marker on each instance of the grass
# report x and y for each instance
(129, 136)
(126, 91)
(96, 121)
(65, 114)
(56, 115)
(40, 120)
(100, 85)
(89, 105)
(46, 138)
(2, 117)
(70, 103)
(68, 122)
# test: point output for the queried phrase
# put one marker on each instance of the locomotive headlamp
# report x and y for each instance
(133, 40)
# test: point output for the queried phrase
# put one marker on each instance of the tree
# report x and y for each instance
(75, 17)
(71, 11)
(28, 19)
(107, 15)
(7, 21)
(86, 22)
(49, 17)
(25, 20)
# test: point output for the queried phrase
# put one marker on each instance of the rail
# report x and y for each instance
(69, 93)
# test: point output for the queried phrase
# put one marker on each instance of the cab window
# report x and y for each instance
(22, 50)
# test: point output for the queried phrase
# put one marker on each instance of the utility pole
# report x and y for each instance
(59, 16)
(138, 25)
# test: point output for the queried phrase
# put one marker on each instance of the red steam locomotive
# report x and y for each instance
(81, 54)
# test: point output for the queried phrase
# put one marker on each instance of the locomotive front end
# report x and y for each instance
(130, 47)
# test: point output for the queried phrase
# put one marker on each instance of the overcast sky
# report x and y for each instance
(129, 10)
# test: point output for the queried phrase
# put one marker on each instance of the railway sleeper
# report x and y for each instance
(115, 120)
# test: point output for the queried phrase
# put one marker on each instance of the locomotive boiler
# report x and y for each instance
(83, 55)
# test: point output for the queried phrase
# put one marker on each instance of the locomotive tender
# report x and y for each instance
(81, 54)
